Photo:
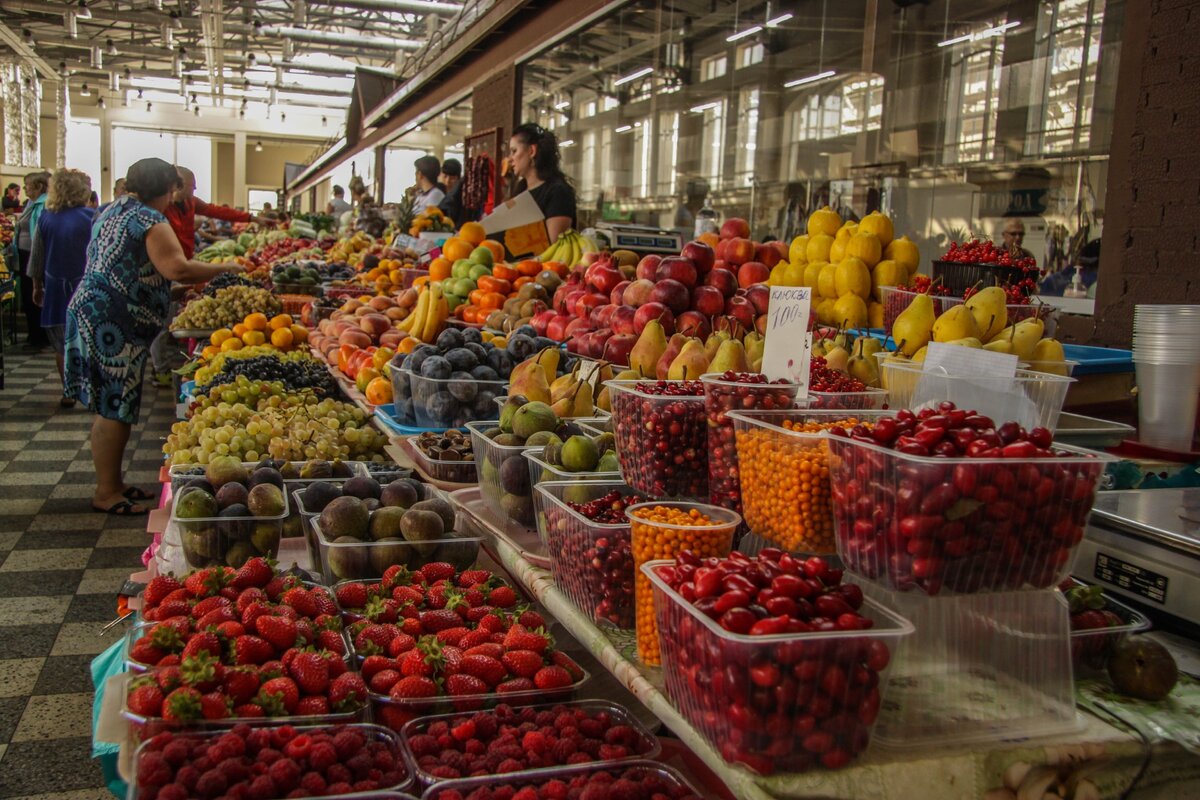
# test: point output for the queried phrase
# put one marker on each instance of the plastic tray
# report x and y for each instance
(978, 669)
(387, 416)
(451, 403)
(463, 788)
(1081, 431)
(541, 471)
(895, 300)
(446, 471)
(594, 426)
(362, 560)
(644, 420)
(139, 629)
(210, 541)
(591, 562)
(385, 473)
(960, 525)
(492, 464)
(1091, 647)
(713, 676)
(400, 410)
(1099, 360)
(866, 400)
(619, 715)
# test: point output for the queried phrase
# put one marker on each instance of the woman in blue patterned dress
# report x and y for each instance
(119, 308)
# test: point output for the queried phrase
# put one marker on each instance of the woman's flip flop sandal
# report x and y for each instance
(122, 509)
(136, 494)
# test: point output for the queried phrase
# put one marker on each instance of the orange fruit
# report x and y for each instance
(210, 351)
(256, 321)
(456, 248)
(280, 321)
(496, 248)
(282, 338)
(238, 330)
(472, 232)
(379, 391)
(299, 334)
(231, 344)
(253, 338)
(439, 268)
(220, 335)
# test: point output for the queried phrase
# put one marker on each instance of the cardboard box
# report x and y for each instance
(520, 225)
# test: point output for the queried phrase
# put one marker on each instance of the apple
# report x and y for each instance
(676, 268)
(768, 254)
(742, 310)
(638, 292)
(719, 251)
(656, 311)
(708, 300)
(735, 228)
(617, 295)
(701, 255)
(693, 323)
(602, 276)
(601, 315)
(759, 296)
(723, 280)
(739, 251)
(622, 319)
(647, 266)
(541, 322)
(752, 272)
(557, 328)
(617, 347)
(672, 294)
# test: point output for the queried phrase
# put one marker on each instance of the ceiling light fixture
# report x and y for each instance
(820, 76)
(27, 36)
(987, 33)
(565, 104)
(733, 37)
(566, 143)
(85, 91)
(625, 129)
(148, 107)
(110, 48)
(100, 102)
(633, 76)
(777, 21)
(258, 147)
(71, 23)
(707, 106)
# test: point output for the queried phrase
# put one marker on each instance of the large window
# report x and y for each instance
(712, 140)
(83, 151)
(1064, 75)
(973, 93)
(193, 152)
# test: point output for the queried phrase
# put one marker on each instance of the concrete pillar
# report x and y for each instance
(240, 199)
(106, 178)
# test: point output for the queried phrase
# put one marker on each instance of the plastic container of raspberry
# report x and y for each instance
(375, 734)
(339, 561)
(645, 747)
(505, 486)
(592, 562)
(960, 525)
(541, 471)
(1091, 647)
(662, 440)
(666, 781)
(746, 696)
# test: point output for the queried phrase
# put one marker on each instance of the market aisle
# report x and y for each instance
(60, 568)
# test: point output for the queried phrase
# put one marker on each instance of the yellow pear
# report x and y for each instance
(919, 356)
(905, 253)
(878, 224)
(956, 323)
(548, 359)
(875, 314)
(912, 327)
(850, 311)
(730, 357)
(812, 272)
(999, 345)
(798, 250)
(1026, 334)
(648, 349)
(755, 344)
(863, 364)
(1048, 356)
(827, 282)
(713, 343)
(887, 273)
(691, 363)
(823, 221)
(865, 247)
(628, 375)
(528, 379)
(852, 277)
(990, 312)
(884, 373)
(837, 358)
(818, 246)
(969, 341)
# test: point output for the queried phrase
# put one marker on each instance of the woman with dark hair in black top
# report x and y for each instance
(533, 151)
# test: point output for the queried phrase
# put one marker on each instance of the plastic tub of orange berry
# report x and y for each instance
(636, 778)
(317, 758)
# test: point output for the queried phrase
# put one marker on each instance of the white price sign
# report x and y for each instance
(788, 346)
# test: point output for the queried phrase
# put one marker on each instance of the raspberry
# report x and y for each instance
(261, 788)
(347, 743)
(534, 742)
(322, 756)
(338, 774)
(509, 765)
(173, 792)
(211, 784)
(563, 749)
(313, 784)
(285, 773)
(423, 745)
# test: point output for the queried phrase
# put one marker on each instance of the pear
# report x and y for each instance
(864, 365)
(989, 308)
(648, 349)
(869, 346)
(603, 400)
(548, 360)
(713, 343)
(892, 358)
(850, 311)
(912, 327)
(755, 345)
(957, 323)
(629, 375)
(563, 385)
(1025, 336)
(529, 379)
(968, 341)
(678, 340)
(837, 358)
(583, 406)
(919, 356)
(730, 357)
(999, 345)
(1048, 356)
(690, 364)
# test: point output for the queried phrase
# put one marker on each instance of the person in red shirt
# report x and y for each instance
(182, 212)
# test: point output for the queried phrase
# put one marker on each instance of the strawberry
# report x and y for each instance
(552, 677)
(439, 620)
(203, 642)
(352, 595)
(379, 609)
(303, 601)
(313, 706)
(143, 651)
(490, 649)
(416, 662)
(169, 678)
(452, 635)
(347, 692)
(252, 612)
(214, 705)
(381, 682)
(278, 696)
(278, 585)
(202, 671)
(248, 710)
(324, 600)
(182, 705)
(400, 644)
(256, 572)
(204, 582)
(462, 683)
(486, 668)
(561, 659)
(451, 659)
(145, 698)
(531, 619)
(437, 570)
(519, 638)
(173, 608)
(515, 685)
(280, 632)
(408, 594)
(332, 641)
(246, 597)
(396, 575)
(372, 638)
(502, 597)
(158, 588)
(216, 617)
(522, 663)
(472, 577)
(413, 686)
(411, 626)
(372, 665)
(240, 684)
(252, 650)
(230, 630)
(475, 637)
(311, 673)
(493, 623)
(208, 604)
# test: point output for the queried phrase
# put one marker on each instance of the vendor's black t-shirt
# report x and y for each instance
(555, 198)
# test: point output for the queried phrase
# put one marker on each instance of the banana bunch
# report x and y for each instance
(429, 316)
(568, 248)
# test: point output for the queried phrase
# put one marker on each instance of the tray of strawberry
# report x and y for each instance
(1098, 623)
(636, 780)
(271, 762)
(774, 660)
(948, 500)
(524, 739)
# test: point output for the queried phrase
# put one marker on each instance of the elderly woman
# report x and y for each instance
(36, 184)
(115, 314)
(59, 254)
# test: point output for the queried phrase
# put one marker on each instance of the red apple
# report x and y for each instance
(768, 254)
(739, 251)
(676, 268)
(719, 251)
(741, 310)
(647, 266)
(602, 314)
(735, 228)
(557, 329)
(654, 311)
(541, 322)
(752, 272)
(622, 319)
(708, 300)
(693, 323)
(724, 280)
(616, 296)
(602, 277)
(638, 292)
(672, 294)
(701, 255)
(759, 296)
(617, 347)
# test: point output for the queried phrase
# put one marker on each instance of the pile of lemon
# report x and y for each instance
(280, 332)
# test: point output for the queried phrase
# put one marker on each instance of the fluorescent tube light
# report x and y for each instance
(820, 76)
(566, 143)
(633, 76)
(624, 129)
(701, 109)
(564, 104)
(987, 33)
(743, 34)
(782, 18)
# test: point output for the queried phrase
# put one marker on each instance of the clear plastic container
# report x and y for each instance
(960, 525)
(785, 475)
(596, 417)
(646, 747)
(218, 541)
(979, 668)
(453, 402)
(1038, 395)
(668, 779)
(386, 472)
(866, 400)
(339, 561)
(374, 734)
(781, 703)
(653, 540)
(180, 474)
(895, 300)
(541, 471)
(1091, 647)
(503, 475)
(447, 471)
(402, 402)
(662, 440)
(594, 426)
(592, 562)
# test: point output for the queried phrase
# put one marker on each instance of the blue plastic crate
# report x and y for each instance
(387, 416)
(1098, 360)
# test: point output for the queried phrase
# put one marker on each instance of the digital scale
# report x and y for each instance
(1144, 545)
(638, 238)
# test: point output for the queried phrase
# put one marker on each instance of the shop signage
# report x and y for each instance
(788, 347)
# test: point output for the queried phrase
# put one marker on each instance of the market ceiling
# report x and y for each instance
(300, 52)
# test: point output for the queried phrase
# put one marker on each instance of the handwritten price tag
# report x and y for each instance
(788, 347)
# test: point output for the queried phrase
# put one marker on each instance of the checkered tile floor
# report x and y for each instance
(60, 568)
